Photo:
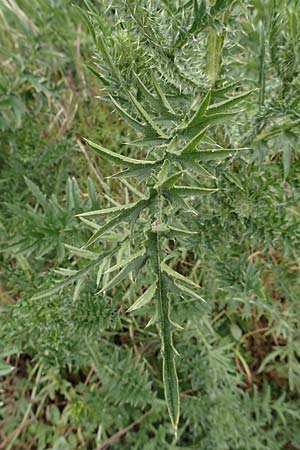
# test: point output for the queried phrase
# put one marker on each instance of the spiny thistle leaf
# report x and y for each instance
(72, 279)
(177, 276)
(144, 299)
(221, 92)
(108, 211)
(156, 104)
(175, 232)
(131, 120)
(191, 191)
(190, 292)
(170, 181)
(205, 121)
(177, 201)
(120, 159)
(147, 118)
(125, 262)
(143, 172)
(127, 215)
(210, 154)
(200, 16)
(224, 105)
(133, 266)
(101, 230)
(162, 96)
(190, 145)
(81, 252)
(201, 110)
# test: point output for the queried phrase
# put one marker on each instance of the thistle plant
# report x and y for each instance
(91, 370)
(147, 68)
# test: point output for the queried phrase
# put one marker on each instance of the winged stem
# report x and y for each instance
(170, 379)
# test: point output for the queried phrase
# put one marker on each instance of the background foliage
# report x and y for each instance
(77, 370)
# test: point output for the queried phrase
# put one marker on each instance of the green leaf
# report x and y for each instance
(236, 332)
(120, 159)
(127, 215)
(97, 75)
(177, 201)
(144, 299)
(288, 141)
(195, 167)
(77, 289)
(110, 224)
(35, 190)
(133, 122)
(72, 279)
(93, 196)
(157, 105)
(54, 417)
(177, 276)
(214, 47)
(201, 110)
(187, 190)
(163, 173)
(190, 145)
(69, 195)
(220, 5)
(180, 232)
(234, 179)
(143, 172)
(76, 193)
(262, 62)
(276, 130)
(169, 182)
(126, 261)
(161, 95)
(87, 21)
(9, 351)
(134, 265)
(134, 190)
(65, 272)
(147, 118)
(201, 17)
(5, 369)
(91, 8)
(151, 141)
(221, 92)
(190, 292)
(287, 156)
(90, 224)
(101, 271)
(171, 385)
(226, 104)
(152, 321)
(210, 154)
(108, 211)
(211, 120)
(82, 253)
(103, 48)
